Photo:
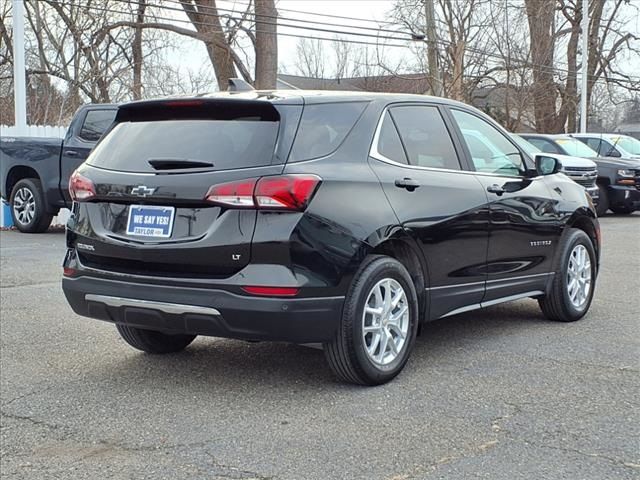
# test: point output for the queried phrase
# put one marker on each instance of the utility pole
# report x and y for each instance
(19, 84)
(432, 48)
(585, 64)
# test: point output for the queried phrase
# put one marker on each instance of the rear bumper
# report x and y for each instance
(622, 196)
(200, 311)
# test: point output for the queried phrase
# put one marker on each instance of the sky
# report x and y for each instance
(193, 54)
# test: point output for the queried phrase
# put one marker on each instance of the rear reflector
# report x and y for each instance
(81, 188)
(281, 192)
(272, 291)
(69, 272)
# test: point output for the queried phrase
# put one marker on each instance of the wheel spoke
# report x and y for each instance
(375, 311)
(392, 344)
(383, 346)
(397, 316)
(399, 333)
(375, 340)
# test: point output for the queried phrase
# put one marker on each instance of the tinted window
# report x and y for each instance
(575, 147)
(544, 145)
(323, 128)
(227, 144)
(490, 150)
(389, 143)
(425, 137)
(595, 144)
(96, 123)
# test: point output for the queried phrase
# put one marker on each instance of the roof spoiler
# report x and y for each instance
(239, 85)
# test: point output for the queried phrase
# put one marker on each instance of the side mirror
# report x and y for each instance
(547, 165)
(614, 153)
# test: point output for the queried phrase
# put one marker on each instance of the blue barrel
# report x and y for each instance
(7, 221)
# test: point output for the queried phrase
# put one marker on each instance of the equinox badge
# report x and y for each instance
(142, 191)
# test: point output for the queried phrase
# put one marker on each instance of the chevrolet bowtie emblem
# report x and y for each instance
(142, 191)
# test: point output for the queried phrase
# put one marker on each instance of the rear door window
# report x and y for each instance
(96, 123)
(425, 137)
(389, 144)
(323, 128)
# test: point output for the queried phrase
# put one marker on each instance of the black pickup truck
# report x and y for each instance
(34, 172)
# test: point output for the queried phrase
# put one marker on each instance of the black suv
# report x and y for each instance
(346, 219)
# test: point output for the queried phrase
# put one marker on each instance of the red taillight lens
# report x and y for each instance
(81, 188)
(272, 291)
(289, 192)
(282, 192)
(234, 194)
(68, 272)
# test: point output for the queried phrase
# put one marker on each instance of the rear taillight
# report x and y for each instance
(69, 272)
(81, 188)
(282, 192)
(234, 194)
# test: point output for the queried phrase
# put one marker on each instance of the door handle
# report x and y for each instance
(497, 189)
(407, 183)
(71, 153)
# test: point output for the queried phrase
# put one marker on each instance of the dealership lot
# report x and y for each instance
(499, 394)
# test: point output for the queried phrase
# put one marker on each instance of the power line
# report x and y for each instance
(191, 23)
(206, 10)
(278, 23)
(523, 62)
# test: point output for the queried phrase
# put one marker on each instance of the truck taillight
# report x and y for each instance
(81, 188)
(281, 192)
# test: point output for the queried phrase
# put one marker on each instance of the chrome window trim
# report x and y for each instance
(374, 153)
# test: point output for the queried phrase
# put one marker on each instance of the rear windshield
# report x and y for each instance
(226, 144)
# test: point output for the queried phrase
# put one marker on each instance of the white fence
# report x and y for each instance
(32, 131)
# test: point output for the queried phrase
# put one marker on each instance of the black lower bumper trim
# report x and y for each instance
(198, 311)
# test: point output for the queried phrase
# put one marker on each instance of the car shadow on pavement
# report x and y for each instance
(234, 364)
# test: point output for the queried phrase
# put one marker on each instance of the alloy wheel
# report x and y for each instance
(24, 206)
(385, 321)
(579, 276)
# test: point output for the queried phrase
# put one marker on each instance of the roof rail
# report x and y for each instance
(239, 85)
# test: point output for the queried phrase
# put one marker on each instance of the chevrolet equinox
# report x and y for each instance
(346, 219)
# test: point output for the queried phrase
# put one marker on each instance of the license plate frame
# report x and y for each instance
(146, 221)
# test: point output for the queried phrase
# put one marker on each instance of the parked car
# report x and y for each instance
(346, 219)
(618, 178)
(611, 144)
(34, 172)
(582, 171)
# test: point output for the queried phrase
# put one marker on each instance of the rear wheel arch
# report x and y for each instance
(402, 250)
(585, 222)
(17, 173)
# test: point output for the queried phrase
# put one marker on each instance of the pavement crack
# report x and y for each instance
(235, 472)
(28, 394)
(27, 418)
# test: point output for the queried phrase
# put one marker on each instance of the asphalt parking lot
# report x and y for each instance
(496, 394)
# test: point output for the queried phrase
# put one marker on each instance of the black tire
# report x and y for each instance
(556, 305)
(40, 220)
(622, 210)
(346, 353)
(151, 341)
(603, 200)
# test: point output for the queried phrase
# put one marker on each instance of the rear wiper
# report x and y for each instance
(178, 164)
